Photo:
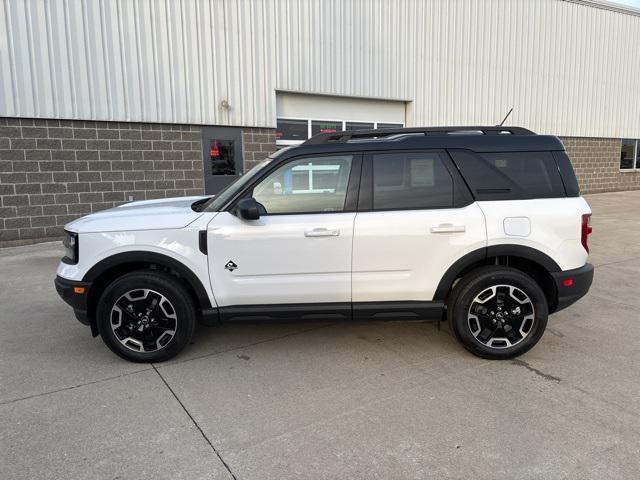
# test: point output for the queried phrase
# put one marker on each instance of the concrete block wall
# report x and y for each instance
(258, 144)
(53, 171)
(596, 162)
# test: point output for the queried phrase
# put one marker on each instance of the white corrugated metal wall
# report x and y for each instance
(565, 67)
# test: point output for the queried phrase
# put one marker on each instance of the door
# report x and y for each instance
(408, 230)
(222, 157)
(299, 250)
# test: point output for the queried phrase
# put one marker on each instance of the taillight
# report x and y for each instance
(586, 230)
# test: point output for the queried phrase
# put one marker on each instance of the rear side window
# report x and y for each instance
(403, 181)
(510, 175)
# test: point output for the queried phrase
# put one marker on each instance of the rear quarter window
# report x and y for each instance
(510, 175)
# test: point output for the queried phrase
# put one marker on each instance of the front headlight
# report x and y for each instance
(70, 243)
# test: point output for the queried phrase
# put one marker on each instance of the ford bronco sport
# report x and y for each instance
(480, 226)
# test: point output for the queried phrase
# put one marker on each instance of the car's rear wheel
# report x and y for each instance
(146, 316)
(498, 312)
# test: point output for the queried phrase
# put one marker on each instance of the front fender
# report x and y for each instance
(99, 252)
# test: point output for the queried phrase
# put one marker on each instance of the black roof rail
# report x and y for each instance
(345, 136)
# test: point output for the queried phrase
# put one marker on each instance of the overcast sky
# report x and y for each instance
(633, 3)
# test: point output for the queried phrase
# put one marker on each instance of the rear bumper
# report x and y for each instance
(572, 285)
(75, 294)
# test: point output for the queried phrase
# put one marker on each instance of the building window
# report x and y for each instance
(630, 155)
(293, 131)
(222, 158)
(360, 126)
(325, 126)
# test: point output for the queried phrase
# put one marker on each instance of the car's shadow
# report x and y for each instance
(310, 336)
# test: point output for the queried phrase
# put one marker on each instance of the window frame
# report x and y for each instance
(316, 119)
(635, 159)
(461, 196)
(353, 185)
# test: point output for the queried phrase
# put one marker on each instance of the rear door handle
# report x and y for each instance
(322, 232)
(447, 228)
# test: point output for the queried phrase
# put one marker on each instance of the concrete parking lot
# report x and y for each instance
(318, 400)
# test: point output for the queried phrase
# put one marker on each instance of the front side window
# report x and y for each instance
(629, 155)
(411, 181)
(309, 185)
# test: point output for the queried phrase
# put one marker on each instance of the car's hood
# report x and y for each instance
(164, 213)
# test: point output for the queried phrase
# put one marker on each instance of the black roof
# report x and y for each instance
(477, 139)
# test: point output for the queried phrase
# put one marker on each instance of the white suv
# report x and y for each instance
(481, 226)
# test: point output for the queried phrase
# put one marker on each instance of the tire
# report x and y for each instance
(497, 312)
(146, 316)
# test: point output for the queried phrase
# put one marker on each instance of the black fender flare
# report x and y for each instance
(151, 257)
(481, 254)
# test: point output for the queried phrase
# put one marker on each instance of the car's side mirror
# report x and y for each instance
(248, 209)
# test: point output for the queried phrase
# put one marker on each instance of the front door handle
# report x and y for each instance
(322, 232)
(447, 228)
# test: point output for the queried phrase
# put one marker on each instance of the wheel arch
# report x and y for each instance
(107, 270)
(534, 263)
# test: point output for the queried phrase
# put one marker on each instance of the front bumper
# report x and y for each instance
(572, 285)
(75, 294)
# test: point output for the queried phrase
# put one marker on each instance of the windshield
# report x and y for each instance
(227, 193)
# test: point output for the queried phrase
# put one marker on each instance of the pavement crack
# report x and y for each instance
(630, 259)
(557, 333)
(72, 387)
(193, 420)
(414, 383)
(606, 401)
(524, 364)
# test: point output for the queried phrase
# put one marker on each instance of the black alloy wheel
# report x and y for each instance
(497, 312)
(146, 316)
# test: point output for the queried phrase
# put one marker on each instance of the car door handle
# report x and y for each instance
(322, 232)
(447, 228)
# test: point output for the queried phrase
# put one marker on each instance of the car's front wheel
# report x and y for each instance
(497, 312)
(146, 316)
